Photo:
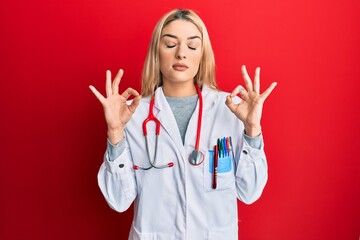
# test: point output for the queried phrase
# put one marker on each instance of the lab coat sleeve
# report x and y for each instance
(114, 151)
(254, 142)
(116, 180)
(251, 172)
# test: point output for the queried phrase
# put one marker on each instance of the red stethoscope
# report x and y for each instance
(195, 158)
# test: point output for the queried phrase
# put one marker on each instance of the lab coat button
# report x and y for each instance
(245, 152)
(121, 165)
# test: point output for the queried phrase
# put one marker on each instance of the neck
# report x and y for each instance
(179, 90)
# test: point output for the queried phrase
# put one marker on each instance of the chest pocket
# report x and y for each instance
(225, 178)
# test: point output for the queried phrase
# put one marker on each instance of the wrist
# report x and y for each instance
(115, 135)
(253, 131)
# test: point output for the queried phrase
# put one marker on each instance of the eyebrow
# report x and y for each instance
(173, 36)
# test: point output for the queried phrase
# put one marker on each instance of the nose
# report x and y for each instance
(180, 54)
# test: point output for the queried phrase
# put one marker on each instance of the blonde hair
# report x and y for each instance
(151, 75)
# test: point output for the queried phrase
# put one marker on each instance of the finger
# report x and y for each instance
(135, 103)
(267, 92)
(116, 82)
(241, 92)
(239, 89)
(257, 80)
(230, 104)
(128, 92)
(108, 83)
(246, 78)
(98, 95)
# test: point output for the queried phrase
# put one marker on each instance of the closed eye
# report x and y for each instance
(192, 48)
(170, 46)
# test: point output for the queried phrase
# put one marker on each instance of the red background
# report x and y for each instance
(53, 132)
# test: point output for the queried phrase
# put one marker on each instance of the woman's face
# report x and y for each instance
(180, 51)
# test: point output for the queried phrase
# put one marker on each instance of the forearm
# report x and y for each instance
(115, 135)
(252, 130)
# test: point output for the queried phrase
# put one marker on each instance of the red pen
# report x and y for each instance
(228, 146)
(215, 165)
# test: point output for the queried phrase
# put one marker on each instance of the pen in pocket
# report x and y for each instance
(227, 146)
(215, 166)
(232, 148)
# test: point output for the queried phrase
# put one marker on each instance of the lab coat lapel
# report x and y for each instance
(167, 120)
(209, 98)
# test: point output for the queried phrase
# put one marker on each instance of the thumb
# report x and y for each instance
(135, 103)
(229, 103)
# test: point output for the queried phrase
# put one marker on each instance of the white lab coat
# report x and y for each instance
(179, 202)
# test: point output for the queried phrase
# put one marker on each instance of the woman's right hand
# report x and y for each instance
(117, 112)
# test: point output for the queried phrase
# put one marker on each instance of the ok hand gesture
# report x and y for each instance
(117, 112)
(249, 110)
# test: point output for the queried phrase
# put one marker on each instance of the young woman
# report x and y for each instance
(182, 151)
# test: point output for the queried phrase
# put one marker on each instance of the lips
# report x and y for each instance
(180, 67)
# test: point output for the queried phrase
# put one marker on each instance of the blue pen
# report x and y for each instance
(225, 148)
(222, 147)
(219, 147)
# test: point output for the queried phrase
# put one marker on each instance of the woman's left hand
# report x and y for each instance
(249, 110)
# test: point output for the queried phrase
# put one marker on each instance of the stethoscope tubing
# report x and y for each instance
(198, 132)
(153, 163)
(152, 117)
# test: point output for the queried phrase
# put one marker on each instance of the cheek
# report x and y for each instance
(162, 61)
(197, 60)
(161, 57)
(164, 58)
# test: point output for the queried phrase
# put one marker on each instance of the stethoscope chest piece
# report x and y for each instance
(196, 157)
